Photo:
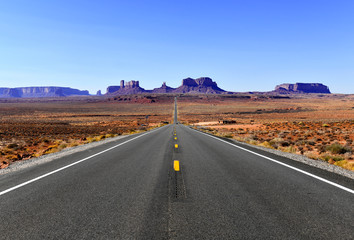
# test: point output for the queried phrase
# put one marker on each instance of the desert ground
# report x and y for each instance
(320, 126)
(34, 127)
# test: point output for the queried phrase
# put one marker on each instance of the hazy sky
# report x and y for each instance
(243, 45)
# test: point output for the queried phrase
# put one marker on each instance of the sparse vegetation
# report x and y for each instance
(296, 126)
(32, 129)
(337, 148)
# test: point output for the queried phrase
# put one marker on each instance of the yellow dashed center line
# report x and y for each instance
(176, 165)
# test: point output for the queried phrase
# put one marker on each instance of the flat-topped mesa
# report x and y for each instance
(302, 88)
(199, 85)
(34, 92)
(112, 89)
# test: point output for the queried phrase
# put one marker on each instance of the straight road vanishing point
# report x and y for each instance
(144, 187)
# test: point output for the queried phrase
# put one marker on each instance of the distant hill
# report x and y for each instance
(37, 92)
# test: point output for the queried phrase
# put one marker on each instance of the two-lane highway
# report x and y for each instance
(129, 190)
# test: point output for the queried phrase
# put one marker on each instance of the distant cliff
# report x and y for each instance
(35, 92)
(302, 88)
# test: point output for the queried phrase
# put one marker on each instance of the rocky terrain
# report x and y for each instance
(34, 92)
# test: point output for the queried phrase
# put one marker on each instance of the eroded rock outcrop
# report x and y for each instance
(302, 88)
(131, 87)
(163, 89)
(189, 85)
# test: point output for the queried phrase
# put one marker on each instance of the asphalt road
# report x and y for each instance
(128, 189)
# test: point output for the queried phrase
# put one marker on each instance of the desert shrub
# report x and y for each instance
(276, 142)
(12, 157)
(301, 149)
(337, 148)
(312, 143)
(321, 148)
(51, 149)
(110, 135)
(90, 139)
(7, 151)
(12, 145)
(101, 137)
(300, 142)
(337, 158)
(63, 145)
(284, 143)
(325, 125)
(309, 148)
(327, 158)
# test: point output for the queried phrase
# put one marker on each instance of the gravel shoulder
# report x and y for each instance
(300, 158)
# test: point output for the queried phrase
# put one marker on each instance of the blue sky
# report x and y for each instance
(248, 45)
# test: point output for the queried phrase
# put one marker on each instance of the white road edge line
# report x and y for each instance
(286, 165)
(72, 164)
